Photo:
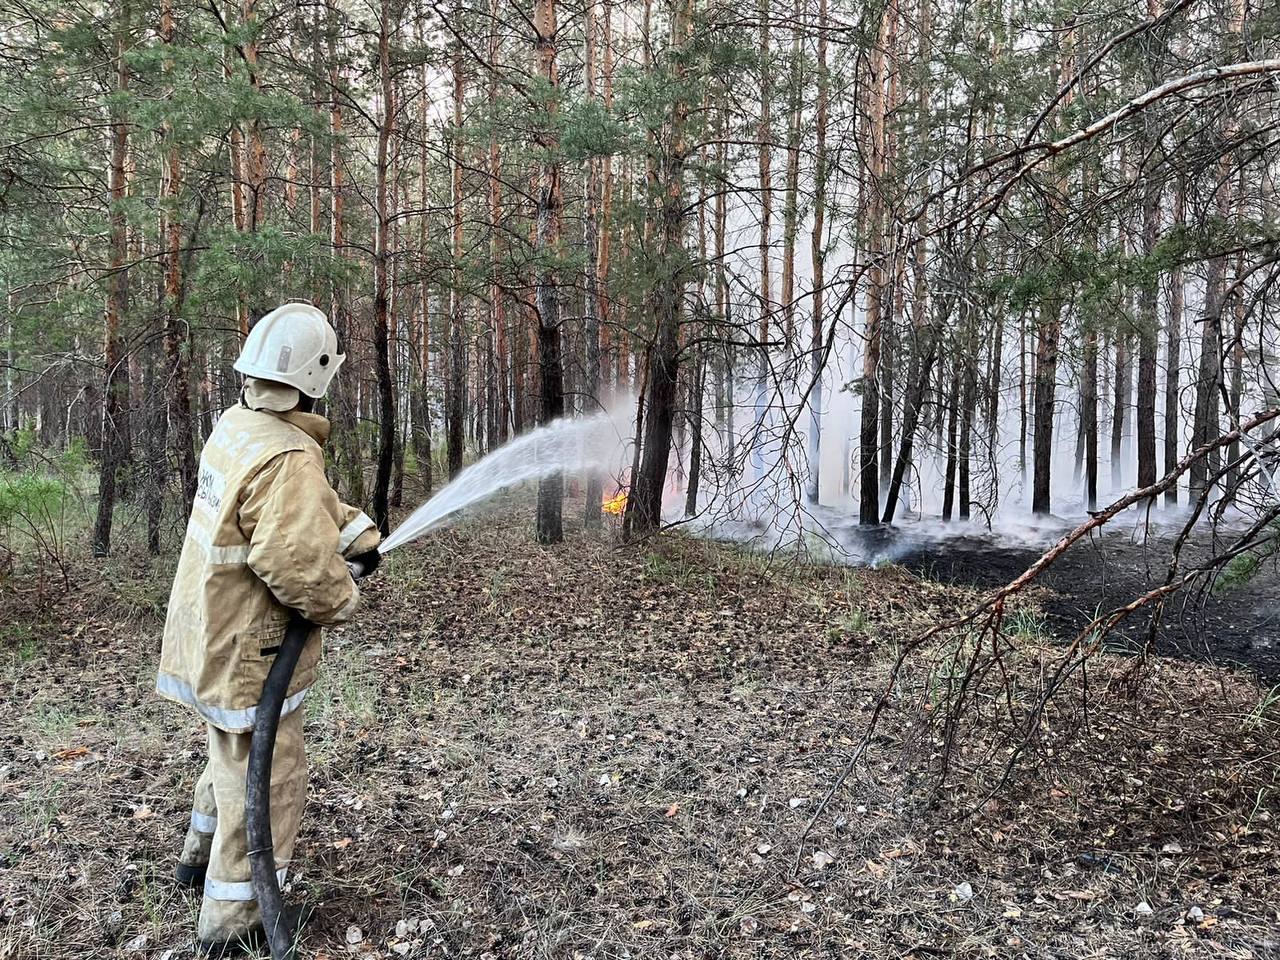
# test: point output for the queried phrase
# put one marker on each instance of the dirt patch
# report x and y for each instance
(588, 751)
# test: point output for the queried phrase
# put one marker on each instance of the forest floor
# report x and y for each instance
(608, 752)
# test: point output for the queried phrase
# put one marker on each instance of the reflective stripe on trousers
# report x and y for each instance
(232, 721)
(235, 890)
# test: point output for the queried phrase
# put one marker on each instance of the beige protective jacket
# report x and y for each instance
(267, 533)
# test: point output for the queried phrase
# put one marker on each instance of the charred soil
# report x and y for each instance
(1219, 620)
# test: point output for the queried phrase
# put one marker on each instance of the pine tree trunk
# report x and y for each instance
(644, 506)
(764, 143)
(454, 440)
(381, 286)
(422, 448)
(502, 413)
(890, 358)
(891, 300)
(924, 338)
(550, 527)
(1207, 424)
(605, 226)
(422, 452)
(1173, 355)
(343, 393)
(1148, 313)
(1023, 352)
(1046, 377)
(1089, 418)
(239, 206)
(1049, 333)
(949, 479)
(719, 230)
(591, 277)
(965, 453)
(12, 406)
(396, 315)
(695, 434)
(177, 339)
(154, 434)
(869, 433)
(817, 256)
(1148, 338)
(114, 396)
(791, 204)
(1120, 409)
(315, 163)
(1233, 303)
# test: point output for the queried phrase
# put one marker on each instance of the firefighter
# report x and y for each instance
(267, 534)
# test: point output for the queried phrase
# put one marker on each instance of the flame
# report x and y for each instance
(615, 504)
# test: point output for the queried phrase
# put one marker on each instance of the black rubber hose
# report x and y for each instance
(262, 857)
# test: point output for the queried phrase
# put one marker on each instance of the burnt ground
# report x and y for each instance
(1221, 622)
(592, 751)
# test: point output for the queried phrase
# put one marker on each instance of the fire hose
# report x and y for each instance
(262, 857)
(281, 937)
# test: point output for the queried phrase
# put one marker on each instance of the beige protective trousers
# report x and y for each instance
(217, 834)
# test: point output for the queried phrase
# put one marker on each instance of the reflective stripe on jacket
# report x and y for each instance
(267, 534)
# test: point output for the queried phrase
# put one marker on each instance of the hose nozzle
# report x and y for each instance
(364, 564)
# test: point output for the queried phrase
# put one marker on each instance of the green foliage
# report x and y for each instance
(38, 497)
(589, 130)
(22, 441)
(29, 499)
(1266, 713)
(1239, 571)
(1028, 624)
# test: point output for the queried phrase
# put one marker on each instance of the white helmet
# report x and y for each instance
(292, 344)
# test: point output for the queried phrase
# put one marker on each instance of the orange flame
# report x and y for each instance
(615, 504)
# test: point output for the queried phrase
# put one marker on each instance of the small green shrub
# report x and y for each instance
(22, 441)
(33, 510)
(26, 497)
(31, 506)
(1238, 572)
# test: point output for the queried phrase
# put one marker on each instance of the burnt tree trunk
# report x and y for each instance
(869, 387)
(550, 526)
(1046, 377)
(644, 506)
(381, 291)
(454, 438)
(1089, 418)
(949, 479)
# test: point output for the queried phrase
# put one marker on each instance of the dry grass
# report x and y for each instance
(588, 751)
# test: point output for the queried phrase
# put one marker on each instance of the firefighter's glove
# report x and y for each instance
(363, 564)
